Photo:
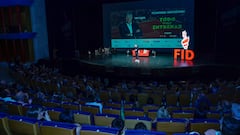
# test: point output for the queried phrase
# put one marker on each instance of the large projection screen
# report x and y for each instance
(156, 24)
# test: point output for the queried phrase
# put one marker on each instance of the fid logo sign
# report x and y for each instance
(184, 53)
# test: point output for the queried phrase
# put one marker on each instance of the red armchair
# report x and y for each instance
(141, 52)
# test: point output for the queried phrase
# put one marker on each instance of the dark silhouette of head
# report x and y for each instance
(118, 123)
(140, 126)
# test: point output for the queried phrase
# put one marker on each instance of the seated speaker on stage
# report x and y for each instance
(136, 49)
(140, 52)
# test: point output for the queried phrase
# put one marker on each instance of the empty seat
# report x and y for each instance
(149, 107)
(142, 98)
(54, 113)
(4, 128)
(20, 125)
(201, 125)
(91, 109)
(111, 110)
(213, 115)
(172, 108)
(82, 117)
(171, 99)
(98, 130)
(57, 128)
(188, 108)
(104, 119)
(51, 104)
(183, 114)
(171, 125)
(14, 108)
(71, 106)
(104, 95)
(152, 114)
(118, 105)
(134, 112)
(184, 99)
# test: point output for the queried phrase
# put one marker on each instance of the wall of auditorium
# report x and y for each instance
(39, 25)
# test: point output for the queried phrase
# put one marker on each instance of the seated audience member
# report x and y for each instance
(164, 98)
(119, 124)
(231, 124)
(58, 96)
(36, 101)
(202, 99)
(92, 101)
(21, 96)
(39, 113)
(163, 112)
(200, 112)
(133, 99)
(41, 95)
(150, 101)
(68, 117)
(223, 106)
(5, 96)
(202, 105)
(140, 126)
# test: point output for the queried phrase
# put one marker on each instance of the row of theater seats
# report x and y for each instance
(169, 126)
(155, 94)
(148, 111)
(90, 114)
(23, 125)
(184, 99)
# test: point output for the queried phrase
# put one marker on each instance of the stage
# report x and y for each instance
(159, 66)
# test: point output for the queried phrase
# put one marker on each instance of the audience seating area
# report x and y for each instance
(92, 121)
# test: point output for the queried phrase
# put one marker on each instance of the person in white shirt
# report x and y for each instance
(93, 102)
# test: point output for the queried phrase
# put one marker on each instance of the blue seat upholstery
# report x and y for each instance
(58, 124)
(23, 125)
(2, 115)
(188, 114)
(204, 120)
(171, 120)
(202, 125)
(143, 132)
(107, 115)
(58, 128)
(98, 129)
(180, 134)
(23, 118)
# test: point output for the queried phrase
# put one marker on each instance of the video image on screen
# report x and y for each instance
(149, 27)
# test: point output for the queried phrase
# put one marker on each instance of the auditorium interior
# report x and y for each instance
(54, 58)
